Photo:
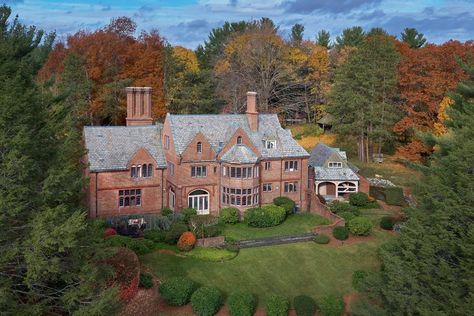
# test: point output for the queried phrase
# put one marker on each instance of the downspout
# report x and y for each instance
(96, 197)
(301, 181)
(162, 189)
(281, 175)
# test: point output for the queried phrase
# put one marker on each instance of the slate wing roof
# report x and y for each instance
(320, 154)
(322, 173)
(240, 154)
(111, 147)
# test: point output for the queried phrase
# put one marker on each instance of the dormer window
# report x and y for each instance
(239, 140)
(335, 164)
(269, 144)
(199, 147)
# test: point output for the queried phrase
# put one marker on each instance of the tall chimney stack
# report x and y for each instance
(139, 106)
(252, 114)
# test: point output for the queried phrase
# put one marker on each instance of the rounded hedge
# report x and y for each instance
(146, 280)
(321, 239)
(166, 211)
(338, 207)
(285, 202)
(347, 216)
(186, 241)
(358, 199)
(265, 216)
(206, 301)
(241, 304)
(175, 232)
(360, 226)
(155, 235)
(387, 222)
(229, 215)
(277, 306)
(304, 305)
(331, 306)
(177, 291)
(340, 233)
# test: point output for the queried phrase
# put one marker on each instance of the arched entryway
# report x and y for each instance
(346, 187)
(199, 200)
(327, 188)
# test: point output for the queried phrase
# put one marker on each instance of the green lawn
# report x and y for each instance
(390, 170)
(288, 270)
(294, 224)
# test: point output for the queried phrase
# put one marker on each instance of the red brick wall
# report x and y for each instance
(364, 185)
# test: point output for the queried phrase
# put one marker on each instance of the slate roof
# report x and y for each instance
(111, 147)
(218, 129)
(240, 154)
(324, 173)
(319, 156)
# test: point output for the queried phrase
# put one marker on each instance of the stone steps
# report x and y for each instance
(278, 240)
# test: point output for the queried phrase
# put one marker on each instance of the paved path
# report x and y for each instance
(278, 240)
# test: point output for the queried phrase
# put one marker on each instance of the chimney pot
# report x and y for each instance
(139, 106)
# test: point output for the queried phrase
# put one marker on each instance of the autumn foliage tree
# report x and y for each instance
(114, 59)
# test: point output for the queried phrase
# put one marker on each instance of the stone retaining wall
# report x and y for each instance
(211, 241)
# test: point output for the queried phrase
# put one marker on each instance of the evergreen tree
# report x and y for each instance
(363, 96)
(377, 31)
(324, 39)
(429, 269)
(352, 36)
(413, 38)
(297, 34)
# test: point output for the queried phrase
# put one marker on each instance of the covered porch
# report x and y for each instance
(332, 190)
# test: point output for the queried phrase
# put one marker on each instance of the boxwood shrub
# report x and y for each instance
(387, 222)
(206, 301)
(139, 246)
(166, 211)
(241, 304)
(188, 213)
(338, 207)
(177, 291)
(175, 232)
(348, 216)
(331, 306)
(304, 305)
(265, 216)
(358, 199)
(229, 215)
(321, 239)
(285, 202)
(277, 306)
(340, 233)
(155, 235)
(360, 226)
(146, 280)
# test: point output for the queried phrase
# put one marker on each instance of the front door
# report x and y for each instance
(199, 200)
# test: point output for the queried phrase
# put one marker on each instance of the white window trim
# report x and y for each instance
(334, 164)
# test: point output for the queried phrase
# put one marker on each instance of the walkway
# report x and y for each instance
(278, 240)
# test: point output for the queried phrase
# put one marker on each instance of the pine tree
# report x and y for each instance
(297, 34)
(413, 38)
(429, 269)
(324, 39)
(352, 36)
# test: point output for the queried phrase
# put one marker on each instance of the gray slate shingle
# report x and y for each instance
(319, 156)
(111, 147)
(240, 154)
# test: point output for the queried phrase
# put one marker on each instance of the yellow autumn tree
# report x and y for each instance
(439, 127)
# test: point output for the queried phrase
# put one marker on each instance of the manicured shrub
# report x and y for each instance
(166, 211)
(304, 305)
(285, 202)
(277, 306)
(331, 306)
(204, 225)
(241, 304)
(338, 207)
(387, 222)
(146, 280)
(188, 213)
(229, 215)
(347, 216)
(187, 241)
(174, 233)
(321, 239)
(394, 196)
(155, 235)
(266, 216)
(358, 279)
(206, 301)
(177, 291)
(360, 226)
(340, 233)
(139, 246)
(109, 232)
(358, 199)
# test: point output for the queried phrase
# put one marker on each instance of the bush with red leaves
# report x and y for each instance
(187, 241)
(127, 272)
(109, 232)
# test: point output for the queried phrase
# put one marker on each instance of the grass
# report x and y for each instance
(294, 224)
(391, 170)
(288, 270)
(211, 254)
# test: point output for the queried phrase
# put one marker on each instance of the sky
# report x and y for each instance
(188, 22)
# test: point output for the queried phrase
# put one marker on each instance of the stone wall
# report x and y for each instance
(211, 241)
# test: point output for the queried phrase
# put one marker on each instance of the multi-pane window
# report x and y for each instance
(199, 147)
(269, 144)
(167, 142)
(335, 164)
(268, 165)
(267, 187)
(141, 171)
(128, 198)
(239, 140)
(291, 186)
(198, 171)
(170, 168)
(240, 197)
(291, 165)
(237, 172)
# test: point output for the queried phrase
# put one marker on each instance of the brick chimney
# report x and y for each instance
(139, 106)
(252, 114)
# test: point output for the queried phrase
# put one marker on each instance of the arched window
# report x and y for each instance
(199, 200)
(139, 171)
(144, 171)
(133, 172)
(150, 170)
(199, 147)
(239, 140)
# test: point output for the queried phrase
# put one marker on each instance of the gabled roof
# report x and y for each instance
(111, 147)
(240, 154)
(318, 159)
(320, 154)
(327, 119)
(218, 129)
